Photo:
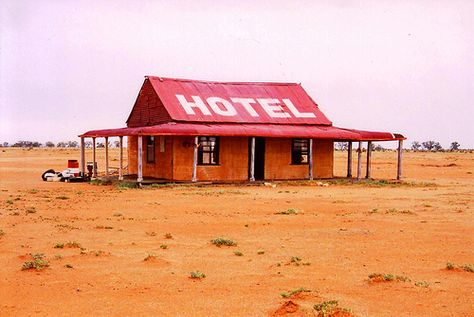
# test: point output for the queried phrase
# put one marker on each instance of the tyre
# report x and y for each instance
(47, 172)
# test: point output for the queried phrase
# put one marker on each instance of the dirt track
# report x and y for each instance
(341, 233)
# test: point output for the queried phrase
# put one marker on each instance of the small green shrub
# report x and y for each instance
(238, 253)
(294, 292)
(126, 185)
(197, 275)
(223, 241)
(289, 211)
(164, 246)
(422, 284)
(382, 277)
(98, 253)
(62, 197)
(38, 263)
(100, 182)
(326, 308)
(70, 244)
(396, 211)
(467, 268)
(149, 257)
(298, 261)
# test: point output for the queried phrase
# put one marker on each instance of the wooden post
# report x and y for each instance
(195, 159)
(369, 160)
(140, 159)
(359, 161)
(121, 158)
(106, 156)
(94, 164)
(310, 160)
(83, 158)
(349, 159)
(252, 159)
(399, 164)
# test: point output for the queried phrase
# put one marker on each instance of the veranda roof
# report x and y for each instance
(256, 130)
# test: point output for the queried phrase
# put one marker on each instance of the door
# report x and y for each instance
(259, 158)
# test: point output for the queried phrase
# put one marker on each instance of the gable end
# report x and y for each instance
(148, 108)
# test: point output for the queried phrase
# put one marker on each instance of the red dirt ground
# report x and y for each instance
(342, 233)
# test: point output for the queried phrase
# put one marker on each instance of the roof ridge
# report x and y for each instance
(224, 82)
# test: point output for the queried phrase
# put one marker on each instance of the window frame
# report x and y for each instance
(298, 151)
(211, 150)
(150, 149)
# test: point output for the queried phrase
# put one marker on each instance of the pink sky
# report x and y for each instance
(400, 66)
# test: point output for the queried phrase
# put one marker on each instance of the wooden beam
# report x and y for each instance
(399, 163)
(106, 156)
(359, 161)
(252, 159)
(83, 158)
(195, 159)
(121, 158)
(162, 143)
(140, 159)
(368, 171)
(94, 161)
(349, 159)
(310, 160)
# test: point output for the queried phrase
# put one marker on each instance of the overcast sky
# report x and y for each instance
(67, 67)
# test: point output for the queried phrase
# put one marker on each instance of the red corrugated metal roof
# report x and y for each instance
(169, 106)
(237, 102)
(242, 129)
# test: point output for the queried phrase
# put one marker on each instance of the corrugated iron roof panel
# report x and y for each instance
(272, 103)
(257, 130)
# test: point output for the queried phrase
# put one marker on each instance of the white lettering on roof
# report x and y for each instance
(229, 108)
(295, 111)
(198, 103)
(273, 108)
(223, 107)
(245, 102)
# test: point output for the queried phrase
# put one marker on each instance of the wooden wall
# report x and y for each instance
(323, 158)
(177, 160)
(162, 168)
(278, 160)
(233, 160)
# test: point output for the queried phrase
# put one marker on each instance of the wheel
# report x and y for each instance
(43, 177)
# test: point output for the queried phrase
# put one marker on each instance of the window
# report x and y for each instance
(299, 151)
(208, 150)
(150, 149)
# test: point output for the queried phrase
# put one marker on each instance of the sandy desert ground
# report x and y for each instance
(122, 252)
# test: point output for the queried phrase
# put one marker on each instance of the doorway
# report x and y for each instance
(259, 158)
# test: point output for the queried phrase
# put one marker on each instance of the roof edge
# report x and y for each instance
(224, 82)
